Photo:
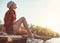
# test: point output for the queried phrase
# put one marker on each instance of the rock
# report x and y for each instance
(20, 40)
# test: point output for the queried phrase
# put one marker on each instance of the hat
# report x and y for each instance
(10, 3)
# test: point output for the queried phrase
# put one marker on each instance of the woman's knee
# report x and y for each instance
(23, 18)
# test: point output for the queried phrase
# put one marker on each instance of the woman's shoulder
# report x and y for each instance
(9, 11)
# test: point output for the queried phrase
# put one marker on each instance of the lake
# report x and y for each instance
(53, 40)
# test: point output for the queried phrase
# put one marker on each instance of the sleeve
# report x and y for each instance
(12, 16)
(7, 18)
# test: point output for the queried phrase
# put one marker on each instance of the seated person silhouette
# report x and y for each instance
(11, 26)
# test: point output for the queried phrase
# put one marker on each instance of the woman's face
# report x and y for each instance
(13, 6)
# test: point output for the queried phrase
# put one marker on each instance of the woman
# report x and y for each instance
(10, 22)
(11, 26)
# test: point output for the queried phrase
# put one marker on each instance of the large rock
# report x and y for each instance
(19, 40)
(3, 39)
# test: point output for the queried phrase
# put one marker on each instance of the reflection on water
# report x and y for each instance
(53, 40)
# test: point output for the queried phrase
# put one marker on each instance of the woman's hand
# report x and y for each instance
(14, 21)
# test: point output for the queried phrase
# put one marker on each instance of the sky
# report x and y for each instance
(45, 13)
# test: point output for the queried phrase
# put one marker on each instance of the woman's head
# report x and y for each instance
(11, 5)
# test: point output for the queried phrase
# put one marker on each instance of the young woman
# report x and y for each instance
(11, 26)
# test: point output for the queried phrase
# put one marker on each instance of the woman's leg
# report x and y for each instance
(18, 23)
(41, 37)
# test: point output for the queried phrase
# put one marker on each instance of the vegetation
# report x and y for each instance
(39, 31)
(44, 31)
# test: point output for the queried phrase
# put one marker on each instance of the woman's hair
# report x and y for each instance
(10, 3)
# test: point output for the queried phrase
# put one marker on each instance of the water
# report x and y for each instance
(53, 40)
